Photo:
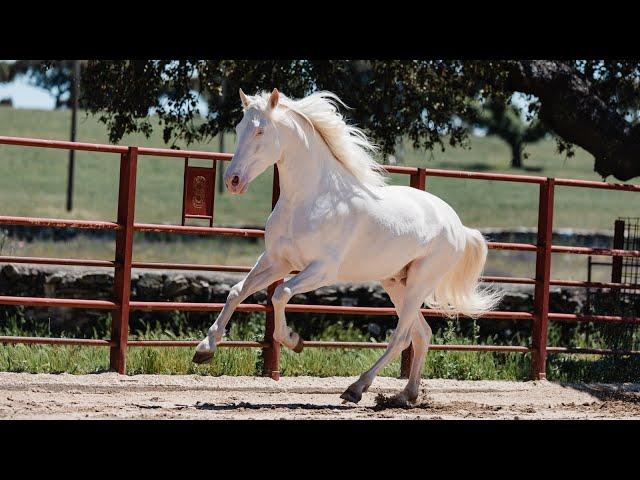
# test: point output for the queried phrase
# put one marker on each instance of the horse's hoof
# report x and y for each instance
(202, 357)
(350, 395)
(299, 346)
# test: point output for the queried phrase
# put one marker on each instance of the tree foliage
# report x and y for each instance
(390, 99)
(592, 103)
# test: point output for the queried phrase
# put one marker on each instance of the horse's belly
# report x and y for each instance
(367, 240)
(397, 230)
(379, 258)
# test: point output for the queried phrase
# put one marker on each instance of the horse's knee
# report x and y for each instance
(421, 334)
(427, 332)
(234, 292)
(401, 340)
(281, 295)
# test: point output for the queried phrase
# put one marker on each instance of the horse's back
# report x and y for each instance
(417, 209)
(398, 225)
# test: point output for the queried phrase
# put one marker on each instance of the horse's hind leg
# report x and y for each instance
(423, 276)
(420, 339)
(396, 291)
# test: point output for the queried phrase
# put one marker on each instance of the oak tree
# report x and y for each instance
(592, 103)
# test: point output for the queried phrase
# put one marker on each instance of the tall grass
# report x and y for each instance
(595, 368)
(317, 361)
(246, 361)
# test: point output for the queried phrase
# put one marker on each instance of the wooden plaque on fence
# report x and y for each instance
(198, 193)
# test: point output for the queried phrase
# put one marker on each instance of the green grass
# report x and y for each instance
(33, 183)
(246, 361)
(211, 250)
(323, 362)
(318, 361)
(595, 368)
(33, 180)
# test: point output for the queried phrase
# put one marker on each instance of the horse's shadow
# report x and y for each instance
(382, 403)
(269, 406)
(629, 393)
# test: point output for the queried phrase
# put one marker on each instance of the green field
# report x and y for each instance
(246, 361)
(33, 180)
(319, 362)
(33, 183)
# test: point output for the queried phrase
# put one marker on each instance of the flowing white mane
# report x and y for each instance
(348, 144)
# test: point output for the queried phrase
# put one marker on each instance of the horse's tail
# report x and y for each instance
(459, 291)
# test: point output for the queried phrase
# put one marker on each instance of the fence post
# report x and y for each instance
(418, 180)
(618, 244)
(543, 273)
(271, 353)
(124, 250)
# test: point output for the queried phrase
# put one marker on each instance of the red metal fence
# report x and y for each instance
(123, 263)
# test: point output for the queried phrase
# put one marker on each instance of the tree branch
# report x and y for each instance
(573, 111)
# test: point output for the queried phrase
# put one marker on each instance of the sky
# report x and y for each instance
(26, 96)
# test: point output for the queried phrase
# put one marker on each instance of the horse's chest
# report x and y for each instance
(302, 235)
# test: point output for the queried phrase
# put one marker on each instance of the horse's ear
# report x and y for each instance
(244, 99)
(273, 99)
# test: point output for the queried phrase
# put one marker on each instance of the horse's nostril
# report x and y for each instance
(235, 180)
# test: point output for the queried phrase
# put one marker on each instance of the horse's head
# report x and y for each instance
(258, 143)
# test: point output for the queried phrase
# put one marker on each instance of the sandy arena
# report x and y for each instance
(111, 396)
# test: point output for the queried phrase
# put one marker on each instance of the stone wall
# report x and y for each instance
(187, 286)
(561, 236)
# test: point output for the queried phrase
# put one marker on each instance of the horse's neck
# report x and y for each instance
(309, 172)
(301, 172)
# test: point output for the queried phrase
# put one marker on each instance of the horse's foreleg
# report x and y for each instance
(261, 275)
(316, 275)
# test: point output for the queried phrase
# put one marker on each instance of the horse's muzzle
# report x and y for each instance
(235, 184)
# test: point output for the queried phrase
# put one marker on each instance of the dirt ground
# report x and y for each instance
(111, 396)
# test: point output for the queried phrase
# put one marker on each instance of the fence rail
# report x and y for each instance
(123, 264)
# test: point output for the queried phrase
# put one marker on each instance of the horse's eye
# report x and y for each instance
(260, 132)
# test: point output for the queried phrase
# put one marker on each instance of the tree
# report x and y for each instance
(505, 122)
(592, 104)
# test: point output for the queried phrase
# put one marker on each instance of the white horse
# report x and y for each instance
(336, 220)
